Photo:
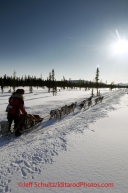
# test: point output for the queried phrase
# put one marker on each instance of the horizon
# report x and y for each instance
(93, 81)
(73, 37)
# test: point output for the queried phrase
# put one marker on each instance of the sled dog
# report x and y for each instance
(63, 109)
(101, 98)
(71, 108)
(55, 114)
(89, 103)
(90, 98)
(84, 101)
(82, 106)
(96, 100)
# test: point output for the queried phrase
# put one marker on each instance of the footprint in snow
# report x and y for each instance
(24, 175)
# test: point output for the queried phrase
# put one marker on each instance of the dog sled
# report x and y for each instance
(27, 122)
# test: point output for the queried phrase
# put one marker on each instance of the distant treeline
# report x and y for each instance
(52, 83)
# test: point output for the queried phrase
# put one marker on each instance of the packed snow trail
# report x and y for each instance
(27, 157)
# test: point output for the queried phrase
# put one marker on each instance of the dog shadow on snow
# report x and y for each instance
(53, 121)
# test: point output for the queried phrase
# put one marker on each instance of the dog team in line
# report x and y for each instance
(67, 109)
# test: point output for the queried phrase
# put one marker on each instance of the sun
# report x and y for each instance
(120, 47)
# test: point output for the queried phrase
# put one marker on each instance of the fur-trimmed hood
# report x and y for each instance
(17, 95)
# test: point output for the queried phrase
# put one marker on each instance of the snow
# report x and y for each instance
(86, 146)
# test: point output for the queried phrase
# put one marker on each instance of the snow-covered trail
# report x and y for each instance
(28, 158)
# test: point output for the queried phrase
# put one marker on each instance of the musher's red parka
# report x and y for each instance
(17, 103)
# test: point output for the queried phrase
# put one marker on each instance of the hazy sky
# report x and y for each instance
(73, 37)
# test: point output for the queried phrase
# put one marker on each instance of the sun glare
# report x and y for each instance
(121, 47)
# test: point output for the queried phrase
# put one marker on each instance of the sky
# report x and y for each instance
(73, 37)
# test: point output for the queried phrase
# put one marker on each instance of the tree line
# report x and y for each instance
(51, 83)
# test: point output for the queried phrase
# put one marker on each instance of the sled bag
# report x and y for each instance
(8, 109)
(4, 127)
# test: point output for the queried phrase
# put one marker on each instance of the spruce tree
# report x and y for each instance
(97, 79)
(49, 82)
(2, 86)
(31, 84)
(53, 82)
(14, 80)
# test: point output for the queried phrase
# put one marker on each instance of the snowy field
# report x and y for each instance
(85, 148)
